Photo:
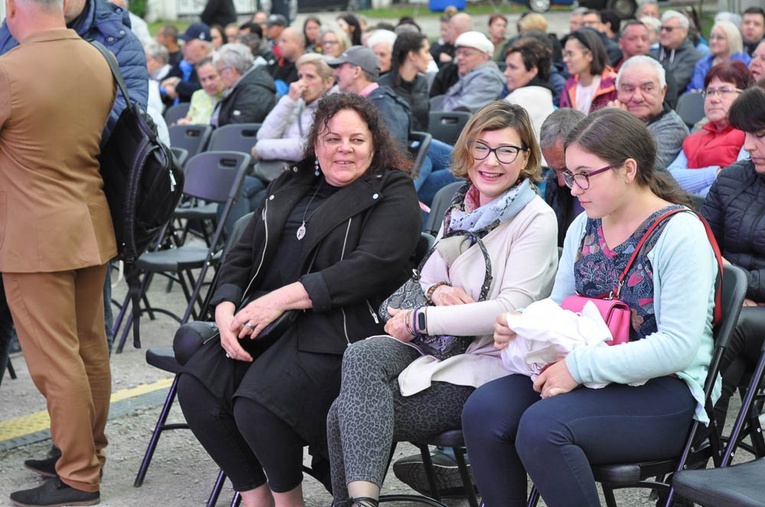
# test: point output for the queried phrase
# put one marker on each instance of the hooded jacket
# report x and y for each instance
(606, 91)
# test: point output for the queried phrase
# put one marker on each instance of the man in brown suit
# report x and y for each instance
(56, 235)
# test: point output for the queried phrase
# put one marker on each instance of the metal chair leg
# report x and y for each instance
(217, 488)
(158, 429)
(467, 481)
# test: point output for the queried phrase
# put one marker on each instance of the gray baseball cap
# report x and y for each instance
(359, 56)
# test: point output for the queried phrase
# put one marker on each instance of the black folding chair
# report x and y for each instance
(192, 138)
(441, 202)
(176, 112)
(419, 142)
(447, 126)
(700, 445)
(164, 359)
(739, 485)
(690, 108)
(214, 177)
(235, 137)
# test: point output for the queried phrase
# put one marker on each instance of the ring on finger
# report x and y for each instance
(250, 325)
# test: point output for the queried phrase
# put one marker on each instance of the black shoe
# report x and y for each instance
(411, 471)
(45, 467)
(54, 493)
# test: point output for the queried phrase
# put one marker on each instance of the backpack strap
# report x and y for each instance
(114, 66)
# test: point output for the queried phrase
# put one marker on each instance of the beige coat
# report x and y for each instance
(524, 259)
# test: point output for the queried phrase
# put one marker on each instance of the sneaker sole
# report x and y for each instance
(84, 502)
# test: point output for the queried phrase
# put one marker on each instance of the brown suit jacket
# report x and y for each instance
(56, 92)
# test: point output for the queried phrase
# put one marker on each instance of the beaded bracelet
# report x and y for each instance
(432, 289)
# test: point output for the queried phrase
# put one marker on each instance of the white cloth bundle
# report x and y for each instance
(546, 332)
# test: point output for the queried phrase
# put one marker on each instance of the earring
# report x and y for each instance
(316, 167)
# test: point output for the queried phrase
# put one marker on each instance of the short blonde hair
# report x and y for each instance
(532, 21)
(498, 115)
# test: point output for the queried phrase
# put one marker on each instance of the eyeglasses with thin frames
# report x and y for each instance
(723, 91)
(506, 154)
(582, 179)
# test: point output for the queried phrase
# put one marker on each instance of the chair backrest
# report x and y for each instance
(192, 138)
(436, 101)
(734, 285)
(441, 202)
(447, 126)
(180, 154)
(215, 175)
(690, 107)
(176, 112)
(419, 143)
(234, 137)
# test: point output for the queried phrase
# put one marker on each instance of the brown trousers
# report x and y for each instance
(59, 318)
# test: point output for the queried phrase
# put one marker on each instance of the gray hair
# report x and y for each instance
(157, 51)
(558, 125)
(382, 37)
(236, 55)
(733, 34)
(48, 5)
(646, 61)
(651, 23)
(684, 22)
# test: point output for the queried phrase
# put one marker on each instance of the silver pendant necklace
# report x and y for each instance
(301, 230)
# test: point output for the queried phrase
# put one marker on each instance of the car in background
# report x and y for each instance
(625, 9)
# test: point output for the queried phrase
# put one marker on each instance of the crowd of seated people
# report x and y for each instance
(602, 74)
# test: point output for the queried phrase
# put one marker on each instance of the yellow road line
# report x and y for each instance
(39, 421)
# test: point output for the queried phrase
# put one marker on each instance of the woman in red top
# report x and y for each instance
(717, 144)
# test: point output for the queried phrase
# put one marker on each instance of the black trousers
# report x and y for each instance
(741, 356)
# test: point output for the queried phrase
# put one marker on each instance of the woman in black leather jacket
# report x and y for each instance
(735, 210)
(331, 240)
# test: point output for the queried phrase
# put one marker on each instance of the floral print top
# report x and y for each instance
(597, 269)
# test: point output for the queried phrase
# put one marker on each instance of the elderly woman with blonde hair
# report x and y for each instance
(725, 45)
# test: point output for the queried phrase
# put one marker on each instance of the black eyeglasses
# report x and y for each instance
(506, 154)
(582, 180)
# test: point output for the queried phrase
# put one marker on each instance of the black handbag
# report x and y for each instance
(410, 296)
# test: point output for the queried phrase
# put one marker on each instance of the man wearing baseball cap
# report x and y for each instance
(480, 80)
(182, 79)
(356, 71)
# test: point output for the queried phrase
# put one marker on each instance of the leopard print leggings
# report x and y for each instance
(370, 413)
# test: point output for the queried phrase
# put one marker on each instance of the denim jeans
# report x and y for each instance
(249, 198)
(556, 439)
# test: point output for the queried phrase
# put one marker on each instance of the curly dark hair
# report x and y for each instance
(386, 156)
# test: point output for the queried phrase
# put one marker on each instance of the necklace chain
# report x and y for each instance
(301, 230)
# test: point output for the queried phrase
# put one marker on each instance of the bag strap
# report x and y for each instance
(488, 278)
(712, 242)
(114, 66)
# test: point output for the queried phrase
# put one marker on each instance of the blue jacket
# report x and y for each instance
(705, 64)
(109, 25)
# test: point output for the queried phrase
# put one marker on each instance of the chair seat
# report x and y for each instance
(631, 473)
(451, 438)
(204, 212)
(738, 485)
(164, 359)
(174, 259)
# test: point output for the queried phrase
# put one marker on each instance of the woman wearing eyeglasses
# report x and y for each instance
(718, 144)
(333, 41)
(725, 45)
(592, 84)
(390, 392)
(554, 428)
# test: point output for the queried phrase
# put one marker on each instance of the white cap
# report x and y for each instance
(475, 40)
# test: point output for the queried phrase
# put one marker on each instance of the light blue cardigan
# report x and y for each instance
(684, 273)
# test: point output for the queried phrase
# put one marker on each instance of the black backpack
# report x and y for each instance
(143, 184)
